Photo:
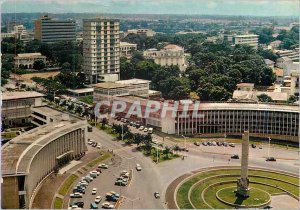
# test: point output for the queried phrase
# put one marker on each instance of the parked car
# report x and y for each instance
(225, 144)
(156, 195)
(94, 191)
(138, 167)
(220, 143)
(253, 145)
(93, 206)
(235, 157)
(231, 144)
(270, 159)
(107, 205)
(204, 143)
(197, 143)
(99, 147)
(213, 143)
(98, 199)
(145, 129)
(260, 147)
(150, 130)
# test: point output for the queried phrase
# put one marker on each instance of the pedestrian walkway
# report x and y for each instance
(68, 167)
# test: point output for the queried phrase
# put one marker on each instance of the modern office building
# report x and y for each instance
(169, 55)
(49, 30)
(29, 158)
(249, 39)
(217, 119)
(127, 49)
(26, 60)
(16, 107)
(101, 50)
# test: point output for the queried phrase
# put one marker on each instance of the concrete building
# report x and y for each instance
(275, 44)
(252, 96)
(29, 158)
(292, 54)
(16, 107)
(288, 65)
(27, 59)
(216, 119)
(169, 55)
(135, 87)
(127, 49)
(146, 32)
(49, 30)
(245, 86)
(101, 49)
(248, 39)
(270, 63)
(80, 92)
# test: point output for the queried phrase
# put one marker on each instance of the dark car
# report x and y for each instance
(90, 129)
(235, 157)
(220, 143)
(270, 159)
(156, 195)
(197, 143)
(80, 204)
(253, 145)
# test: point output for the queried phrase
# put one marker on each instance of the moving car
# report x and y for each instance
(156, 195)
(138, 167)
(235, 157)
(103, 165)
(270, 159)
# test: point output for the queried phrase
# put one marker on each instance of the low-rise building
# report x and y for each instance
(134, 87)
(248, 39)
(81, 92)
(16, 107)
(27, 60)
(245, 86)
(169, 55)
(287, 64)
(29, 158)
(142, 31)
(275, 44)
(127, 49)
(270, 63)
(279, 75)
(292, 54)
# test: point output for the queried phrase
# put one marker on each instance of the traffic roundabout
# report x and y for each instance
(215, 188)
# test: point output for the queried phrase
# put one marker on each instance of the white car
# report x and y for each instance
(138, 167)
(141, 128)
(146, 130)
(98, 199)
(103, 165)
(99, 147)
(94, 191)
(107, 205)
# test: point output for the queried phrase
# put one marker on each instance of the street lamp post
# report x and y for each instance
(269, 147)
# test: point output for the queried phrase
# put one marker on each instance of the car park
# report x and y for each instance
(98, 199)
(94, 191)
(138, 167)
(156, 195)
(235, 157)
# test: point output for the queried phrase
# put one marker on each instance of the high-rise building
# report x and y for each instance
(101, 49)
(48, 30)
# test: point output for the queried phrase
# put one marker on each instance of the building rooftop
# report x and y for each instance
(246, 35)
(133, 81)
(172, 47)
(245, 85)
(56, 114)
(108, 85)
(278, 72)
(269, 62)
(18, 152)
(127, 44)
(20, 94)
(29, 55)
(81, 90)
(252, 95)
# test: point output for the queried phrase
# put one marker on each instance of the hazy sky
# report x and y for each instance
(220, 7)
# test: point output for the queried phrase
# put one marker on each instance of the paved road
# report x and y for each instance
(157, 177)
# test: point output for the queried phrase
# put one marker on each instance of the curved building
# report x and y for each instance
(30, 157)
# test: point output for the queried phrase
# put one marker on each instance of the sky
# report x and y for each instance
(200, 7)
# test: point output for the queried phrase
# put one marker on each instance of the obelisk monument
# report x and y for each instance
(243, 181)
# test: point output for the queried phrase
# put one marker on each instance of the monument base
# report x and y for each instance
(242, 187)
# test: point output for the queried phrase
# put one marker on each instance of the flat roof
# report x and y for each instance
(132, 81)
(55, 113)
(29, 55)
(127, 44)
(246, 35)
(20, 94)
(81, 90)
(18, 152)
(108, 85)
(245, 84)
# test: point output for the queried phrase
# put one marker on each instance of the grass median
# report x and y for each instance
(58, 203)
(63, 190)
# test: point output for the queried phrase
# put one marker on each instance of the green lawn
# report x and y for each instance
(58, 203)
(161, 157)
(63, 190)
(210, 195)
(98, 160)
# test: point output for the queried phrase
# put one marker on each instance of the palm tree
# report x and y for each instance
(166, 151)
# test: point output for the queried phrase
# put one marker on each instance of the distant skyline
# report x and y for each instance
(189, 7)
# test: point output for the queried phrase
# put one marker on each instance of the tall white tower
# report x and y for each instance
(101, 49)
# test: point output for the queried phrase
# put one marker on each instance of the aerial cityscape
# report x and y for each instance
(139, 104)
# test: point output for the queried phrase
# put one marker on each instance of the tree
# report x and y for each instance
(167, 151)
(39, 65)
(292, 99)
(264, 98)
